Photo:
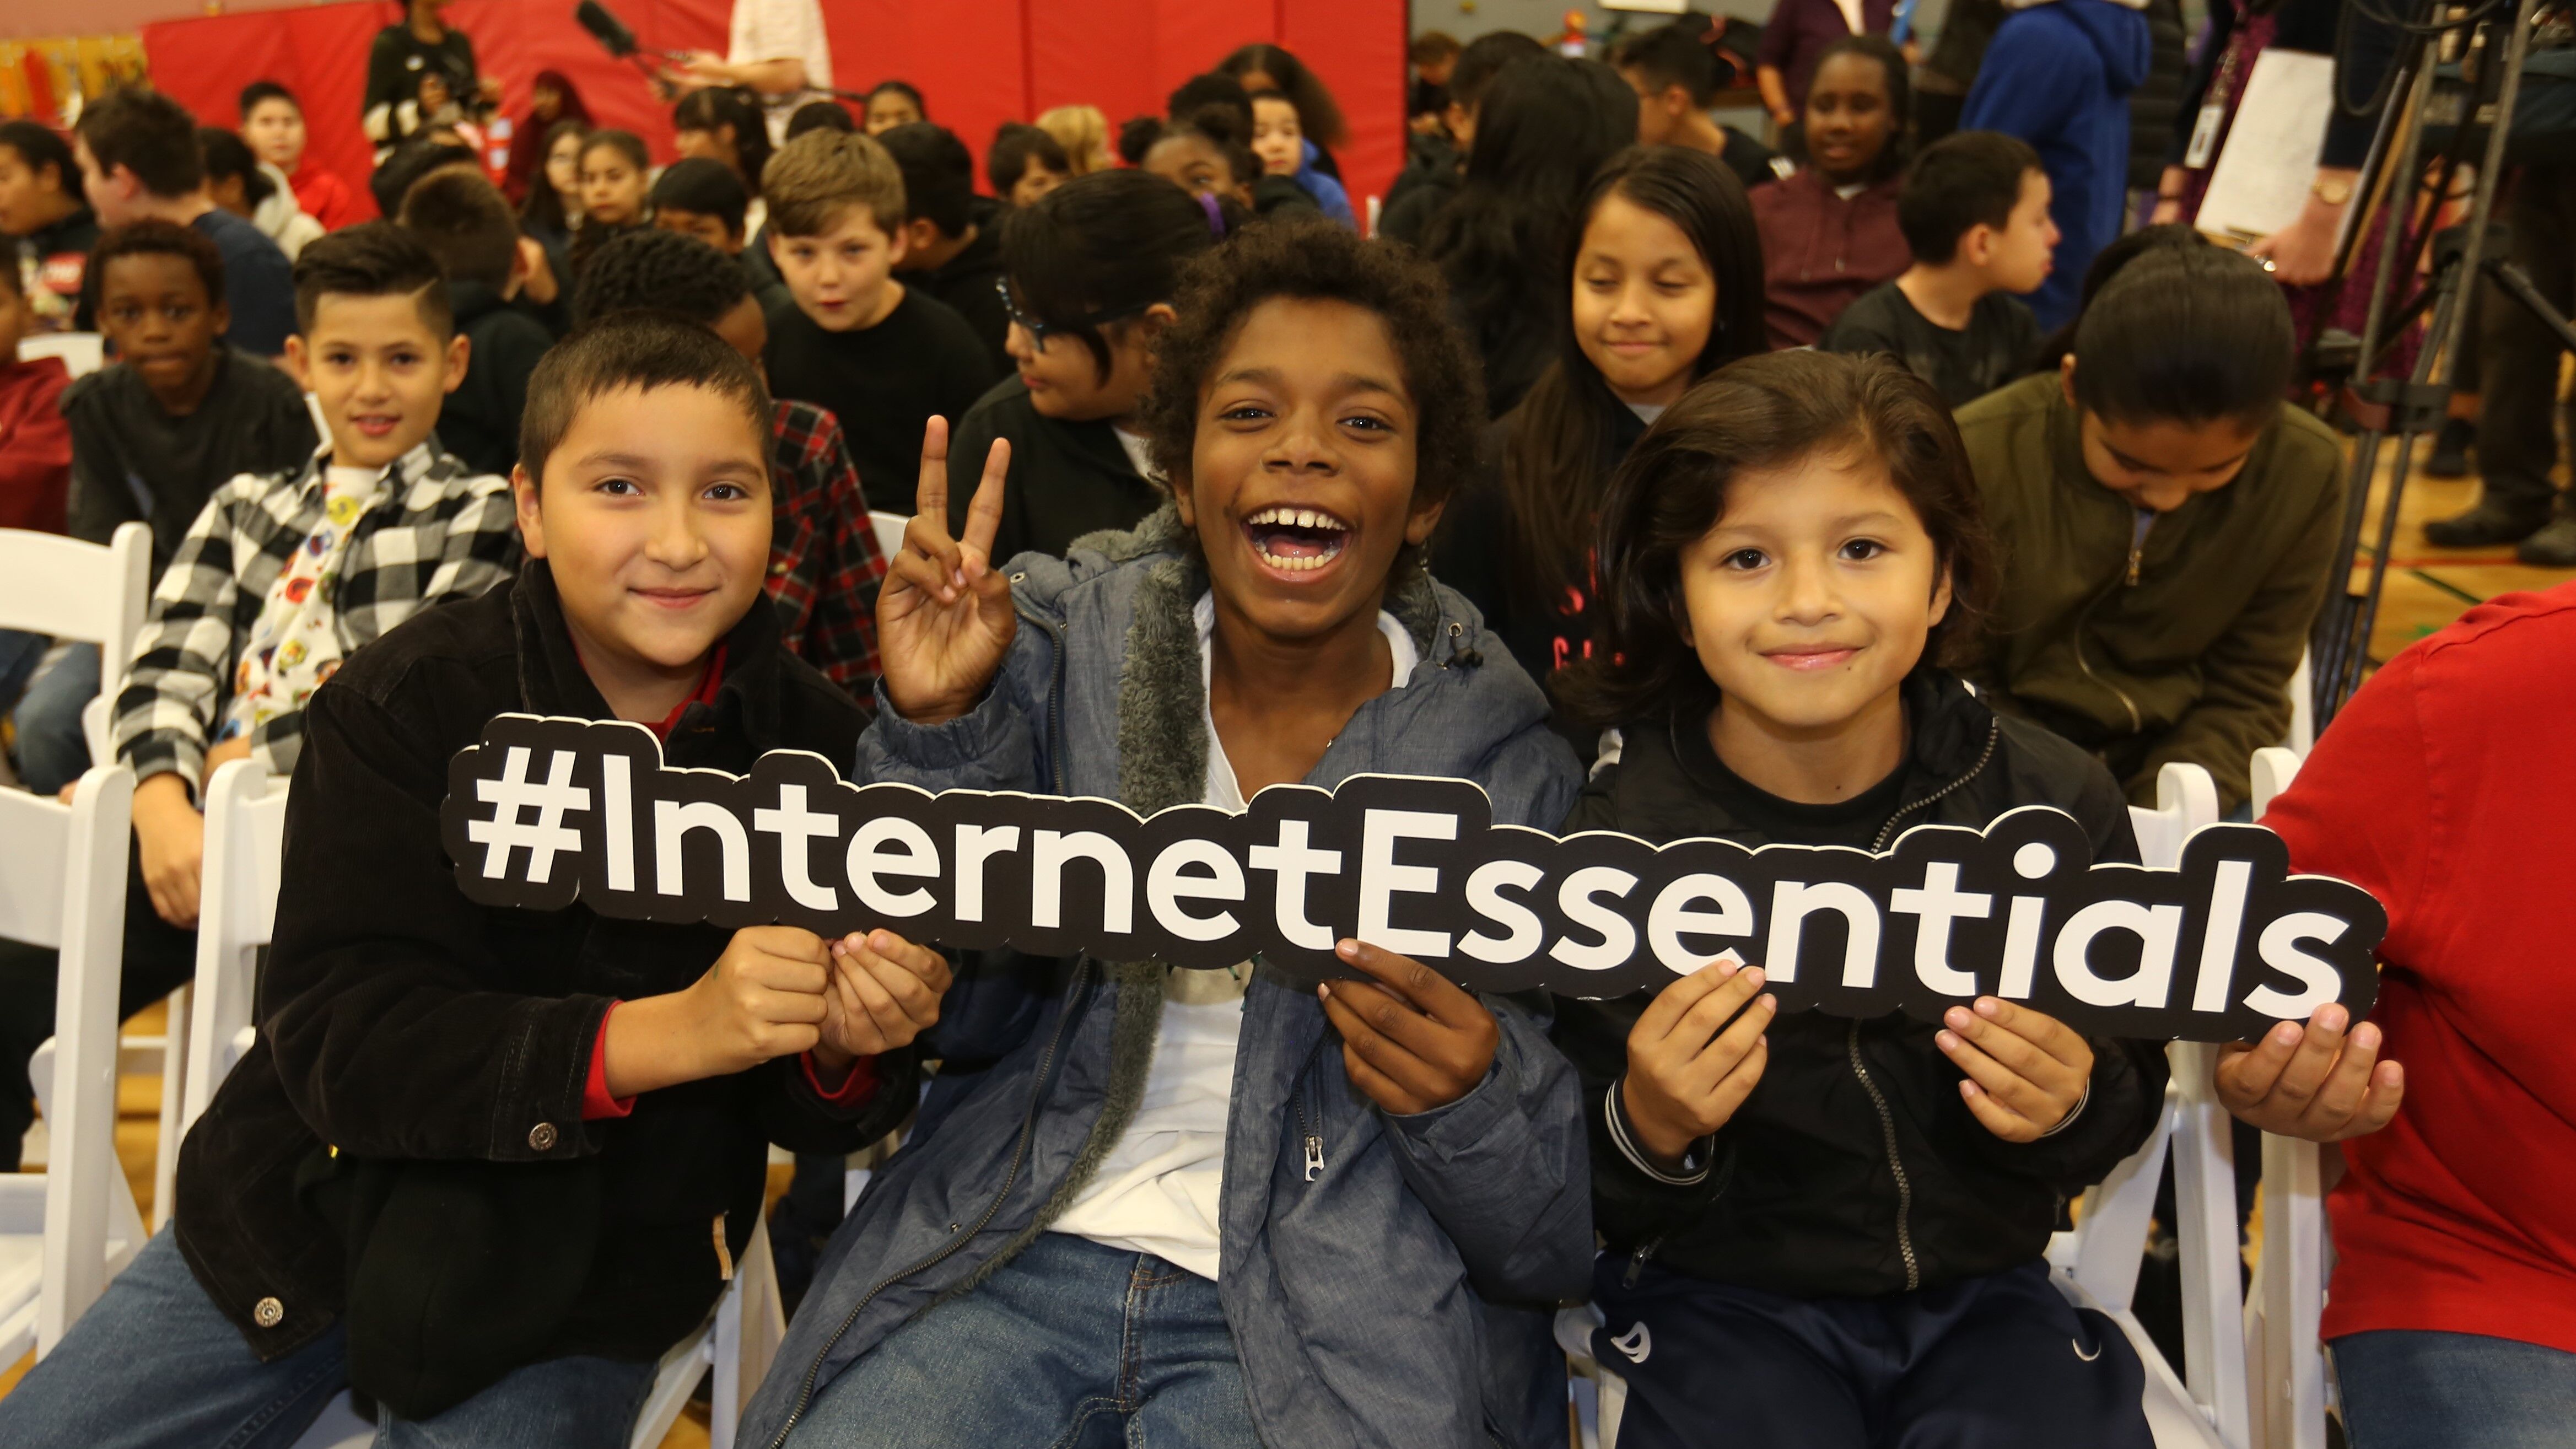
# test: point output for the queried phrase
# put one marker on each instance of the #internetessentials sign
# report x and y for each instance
(547, 811)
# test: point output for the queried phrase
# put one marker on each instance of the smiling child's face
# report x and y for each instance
(1644, 301)
(380, 372)
(1813, 596)
(654, 520)
(1302, 469)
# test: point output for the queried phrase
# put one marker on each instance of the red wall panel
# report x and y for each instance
(979, 62)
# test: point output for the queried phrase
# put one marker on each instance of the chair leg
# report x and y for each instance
(174, 1090)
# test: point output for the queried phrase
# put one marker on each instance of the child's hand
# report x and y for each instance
(1686, 1076)
(2026, 1071)
(884, 992)
(171, 840)
(762, 999)
(1414, 1043)
(944, 617)
(2319, 1082)
(236, 748)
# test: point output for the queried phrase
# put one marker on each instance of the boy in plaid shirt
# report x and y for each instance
(282, 576)
(824, 564)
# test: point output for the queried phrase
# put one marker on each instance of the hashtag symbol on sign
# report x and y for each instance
(542, 837)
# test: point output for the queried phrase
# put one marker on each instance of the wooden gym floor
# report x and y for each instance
(2427, 588)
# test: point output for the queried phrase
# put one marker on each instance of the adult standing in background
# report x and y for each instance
(421, 43)
(777, 48)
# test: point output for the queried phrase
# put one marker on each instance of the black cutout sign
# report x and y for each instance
(545, 811)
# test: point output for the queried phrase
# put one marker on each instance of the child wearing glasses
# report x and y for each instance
(881, 356)
(1088, 273)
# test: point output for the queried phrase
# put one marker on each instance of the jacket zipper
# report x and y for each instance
(1860, 1068)
(1314, 1139)
(1895, 1164)
(1028, 1117)
(2136, 724)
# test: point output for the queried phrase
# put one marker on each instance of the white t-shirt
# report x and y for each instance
(782, 30)
(1157, 1190)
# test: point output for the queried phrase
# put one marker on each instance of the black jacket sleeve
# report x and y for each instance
(99, 498)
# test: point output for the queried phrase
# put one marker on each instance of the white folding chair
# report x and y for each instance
(889, 531)
(2096, 1265)
(62, 884)
(2303, 711)
(2284, 1353)
(245, 837)
(82, 592)
(82, 352)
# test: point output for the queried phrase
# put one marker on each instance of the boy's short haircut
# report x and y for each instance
(644, 350)
(1312, 259)
(1965, 179)
(1673, 55)
(938, 174)
(1014, 147)
(372, 259)
(466, 223)
(1770, 410)
(905, 89)
(265, 90)
(1431, 47)
(1482, 60)
(160, 239)
(40, 146)
(650, 268)
(819, 116)
(148, 134)
(409, 164)
(821, 174)
(706, 187)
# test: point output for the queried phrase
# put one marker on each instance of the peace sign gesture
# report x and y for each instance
(944, 618)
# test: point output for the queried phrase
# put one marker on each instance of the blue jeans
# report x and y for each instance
(20, 653)
(154, 1365)
(1071, 1345)
(2411, 1389)
(52, 751)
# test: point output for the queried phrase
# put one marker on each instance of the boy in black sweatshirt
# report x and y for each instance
(488, 1165)
(466, 223)
(882, 357)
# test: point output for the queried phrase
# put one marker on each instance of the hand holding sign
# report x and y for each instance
(1695, 1054)
(944, 618)
(1411, 1040)
(884, 992)
(2316, 1082)
(2026, 1069)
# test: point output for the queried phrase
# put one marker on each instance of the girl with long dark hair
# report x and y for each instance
(1545, 126)
(1661, 286)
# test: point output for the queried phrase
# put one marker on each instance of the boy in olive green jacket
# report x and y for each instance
(2166, 523)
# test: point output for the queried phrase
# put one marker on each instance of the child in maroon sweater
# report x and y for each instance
(1829, 232)
(35, 442)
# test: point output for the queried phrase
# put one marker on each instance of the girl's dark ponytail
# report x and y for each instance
(2187, 334)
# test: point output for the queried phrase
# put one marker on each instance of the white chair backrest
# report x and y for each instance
(237, 894)
(2303, 710)
(61, 586)
(2196, 1131)
(2284, 1352)
(62, 884)
(889, 531)
(82, 352)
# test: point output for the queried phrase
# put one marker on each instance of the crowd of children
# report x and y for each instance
(1658, 481)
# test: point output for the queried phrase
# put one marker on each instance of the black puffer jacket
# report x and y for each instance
(1854, 1169)
(2155, 107)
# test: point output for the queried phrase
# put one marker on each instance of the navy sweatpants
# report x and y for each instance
(2000, 1362)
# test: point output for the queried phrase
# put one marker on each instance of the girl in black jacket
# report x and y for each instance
(1824, 1231)
(1089, 273)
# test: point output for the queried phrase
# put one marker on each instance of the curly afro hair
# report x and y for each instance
(651, 269)
(1319, 261)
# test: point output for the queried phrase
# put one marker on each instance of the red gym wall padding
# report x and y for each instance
(979, 62)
